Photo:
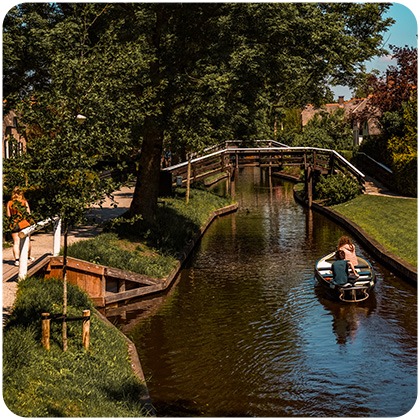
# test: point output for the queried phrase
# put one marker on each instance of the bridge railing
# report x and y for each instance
(323, 160)
(24, 236)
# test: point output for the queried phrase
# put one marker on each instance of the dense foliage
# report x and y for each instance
(394, 106)
(185, 74)
(325, 130)
(335, 189)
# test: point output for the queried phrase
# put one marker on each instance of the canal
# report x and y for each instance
(245, 331)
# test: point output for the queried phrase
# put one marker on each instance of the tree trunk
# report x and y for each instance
(66, 231)
(147, 185)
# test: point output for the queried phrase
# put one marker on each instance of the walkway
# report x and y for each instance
(42, 242)
(374, 187)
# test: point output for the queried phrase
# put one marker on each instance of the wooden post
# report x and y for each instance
(45, 331)
(86, 330)
(188, 178)
(310, 183)
(57, 237)
(23, 257)
(331, 171)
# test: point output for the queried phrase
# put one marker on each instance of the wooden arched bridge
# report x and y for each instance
(227, 157)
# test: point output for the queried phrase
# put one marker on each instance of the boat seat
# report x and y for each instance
(361, 266)
(363, 273)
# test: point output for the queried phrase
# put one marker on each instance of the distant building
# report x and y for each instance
(361, 127)
(13, 142)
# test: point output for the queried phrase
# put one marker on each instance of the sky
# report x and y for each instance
(403, 32)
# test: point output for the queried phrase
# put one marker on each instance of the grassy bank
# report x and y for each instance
(77, 383)
(152, 248)
(391, 221)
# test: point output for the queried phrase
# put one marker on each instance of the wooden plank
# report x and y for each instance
(78, 265)
(130, 276)
(140, 291)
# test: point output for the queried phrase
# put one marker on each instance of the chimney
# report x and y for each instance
(341, 101)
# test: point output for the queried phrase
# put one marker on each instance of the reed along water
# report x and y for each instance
(245, 331)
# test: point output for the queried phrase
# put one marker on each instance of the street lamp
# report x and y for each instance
(80, 119)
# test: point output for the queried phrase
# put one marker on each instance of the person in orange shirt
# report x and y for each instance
(18, 211)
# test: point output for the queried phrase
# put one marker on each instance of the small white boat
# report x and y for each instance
(356, 292)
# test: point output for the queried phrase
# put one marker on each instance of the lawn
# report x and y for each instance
(75, 383)
(391, 221)
(152, 248)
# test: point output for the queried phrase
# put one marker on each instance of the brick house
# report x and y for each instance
(10, 130)
(361, 127)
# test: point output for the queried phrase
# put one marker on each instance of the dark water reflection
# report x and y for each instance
(246, 332)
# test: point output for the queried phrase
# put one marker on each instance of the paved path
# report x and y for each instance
(374, 187)
(42, 242)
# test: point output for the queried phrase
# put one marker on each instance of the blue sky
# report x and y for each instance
(402, 32)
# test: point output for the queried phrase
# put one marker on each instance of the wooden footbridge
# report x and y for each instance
(269, 154)
(109, 286)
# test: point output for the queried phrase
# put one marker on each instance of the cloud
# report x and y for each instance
(387, 59)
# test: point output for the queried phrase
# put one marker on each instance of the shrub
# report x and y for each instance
(335, 189)
(405, 173)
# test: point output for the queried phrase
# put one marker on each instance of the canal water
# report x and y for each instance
(245, 331)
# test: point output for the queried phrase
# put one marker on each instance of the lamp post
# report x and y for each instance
(80, 118)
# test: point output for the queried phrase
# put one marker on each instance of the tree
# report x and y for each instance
(394, 105)
(220, 66)
(195, 74)
(87, 73)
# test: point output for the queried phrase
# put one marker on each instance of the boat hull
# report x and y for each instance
(358, 292)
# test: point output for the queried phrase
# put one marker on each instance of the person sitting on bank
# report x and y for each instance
(340, 269)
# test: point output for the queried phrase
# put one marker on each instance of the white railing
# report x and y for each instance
(267, 149)
(24, 236)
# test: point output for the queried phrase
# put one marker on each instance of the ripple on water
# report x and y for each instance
(247, 332)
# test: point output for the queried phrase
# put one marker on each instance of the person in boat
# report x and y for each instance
(340, 269)
(349, 249)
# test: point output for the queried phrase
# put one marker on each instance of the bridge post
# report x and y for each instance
(57, 237)
(331, 168)
(309, 180)
(23, 257)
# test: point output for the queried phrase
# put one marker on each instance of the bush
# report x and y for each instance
(335, 189)
(405, 173)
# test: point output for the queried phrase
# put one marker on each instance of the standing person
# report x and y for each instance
(340, 269)
(349, 249)
(19, 213)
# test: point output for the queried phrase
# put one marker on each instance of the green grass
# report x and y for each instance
(391, 221)
(152, 248)
(108, 249)
(76, 383)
